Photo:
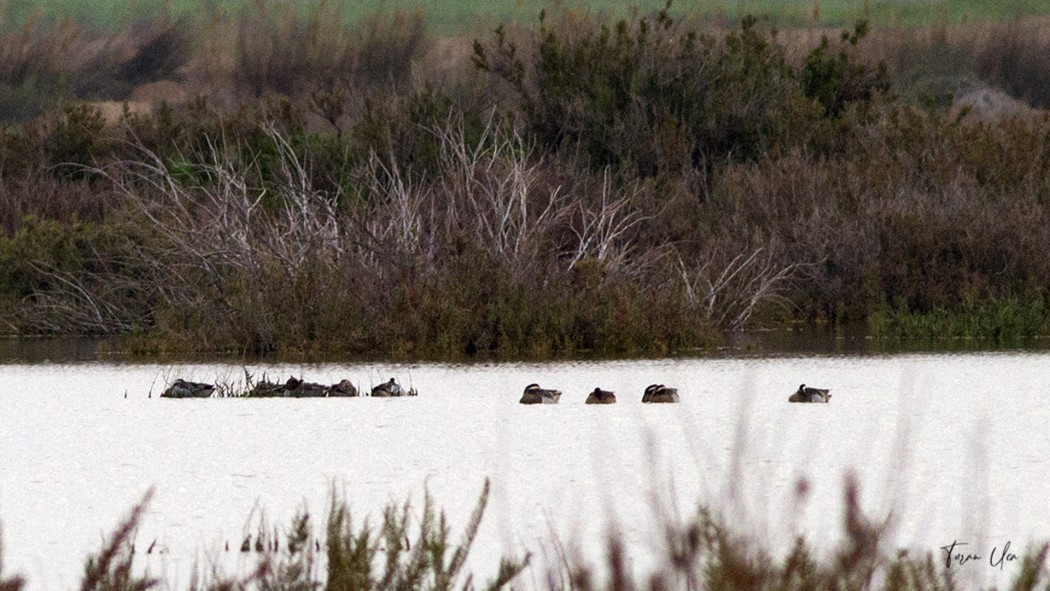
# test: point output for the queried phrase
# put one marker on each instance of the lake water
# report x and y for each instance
(955, 446)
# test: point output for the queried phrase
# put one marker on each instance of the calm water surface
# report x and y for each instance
(955, 447)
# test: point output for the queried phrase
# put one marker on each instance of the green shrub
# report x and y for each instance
(839, 79)
(1000, 322)
(650, 95)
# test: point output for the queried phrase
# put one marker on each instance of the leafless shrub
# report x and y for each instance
(731, 292)
(391, 223)
(492, 190)
(496, 187)
(91, 303)
(606, 232)
(37, 193)
(214, 217)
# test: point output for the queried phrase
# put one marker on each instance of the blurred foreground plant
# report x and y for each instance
(405, 552)
(409, 551)
(14, 583)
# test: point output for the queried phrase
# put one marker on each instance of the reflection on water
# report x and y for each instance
(854, 340)
(54, 350)
(952, 445)
(849, 340)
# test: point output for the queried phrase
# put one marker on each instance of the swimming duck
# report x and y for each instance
(600, 396)
(807, 394)
(535, 395)
(183, 389)
(660, 393)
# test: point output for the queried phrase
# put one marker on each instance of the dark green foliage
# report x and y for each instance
(1007, 322)
(393, 128)
(838, 79)
(650, 95)
(350, 553)
(75, 140)
(82, 273)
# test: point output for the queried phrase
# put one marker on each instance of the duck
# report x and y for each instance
(535, 395)
(386, 389)
(600, 396)
(343, 388)
(807, 394)
(660, 393)
(183, 389)
(301, 389)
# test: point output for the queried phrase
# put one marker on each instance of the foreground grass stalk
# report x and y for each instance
(8, 583)
(409, 551)
(111, 568)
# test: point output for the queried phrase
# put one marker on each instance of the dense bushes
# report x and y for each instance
(626, 187)
(648, 97)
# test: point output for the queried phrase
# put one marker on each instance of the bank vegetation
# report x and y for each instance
(281, 181)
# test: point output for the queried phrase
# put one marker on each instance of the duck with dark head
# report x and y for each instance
(660, 393)
(535, 395)
(600, 396)
(343, 388)
(391, 389)
(387, 389)
(183, 389)
(807, 394)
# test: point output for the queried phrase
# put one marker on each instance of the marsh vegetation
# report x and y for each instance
(279, 180)
(407, 549)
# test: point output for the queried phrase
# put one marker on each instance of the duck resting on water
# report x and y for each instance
(660, 393)
(183, 389)
(807, 394)
(600, 396)
(392, 389)
(535, 395)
